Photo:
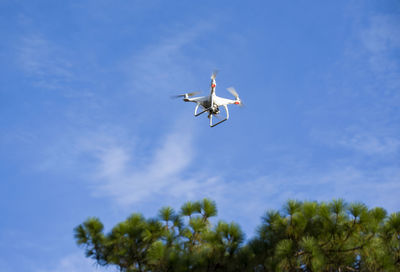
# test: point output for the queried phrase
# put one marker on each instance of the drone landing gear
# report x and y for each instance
(210, 116)
(195, 110)
(226, 118)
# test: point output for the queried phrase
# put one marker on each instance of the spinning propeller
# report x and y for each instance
(185, 95)
(236, 95)
(214, 74)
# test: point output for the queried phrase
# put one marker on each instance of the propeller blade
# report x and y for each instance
(233, 92)
(214, 74)
(183, 95)
(177, 96)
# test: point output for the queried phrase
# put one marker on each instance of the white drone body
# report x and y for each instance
(212, 102)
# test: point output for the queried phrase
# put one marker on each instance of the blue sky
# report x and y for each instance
(87, 127)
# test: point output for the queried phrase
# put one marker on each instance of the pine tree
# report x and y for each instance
(303, 236)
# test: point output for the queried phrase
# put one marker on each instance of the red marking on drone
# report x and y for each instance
(213, 85)
(237, 103)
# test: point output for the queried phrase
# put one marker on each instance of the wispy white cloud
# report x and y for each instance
(44, 61)
(368, 102)
(74, 263)
(375, 187)
(166, 64)
(382, 34)
(371, 144)
(381, 40)
(128, 178)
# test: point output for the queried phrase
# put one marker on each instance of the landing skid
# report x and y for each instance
(211, 115)
(226, 118)
(213, 125)
(195, 111)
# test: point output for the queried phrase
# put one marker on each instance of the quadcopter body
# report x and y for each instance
(212, 103)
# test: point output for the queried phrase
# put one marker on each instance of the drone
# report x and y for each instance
(211, 103)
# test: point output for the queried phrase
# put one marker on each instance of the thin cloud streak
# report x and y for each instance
(381, 41)
(45, 62)
(163, 66)
(75, 262)
(129, 179)
(254, 196)
(370, 125)
(371, 144)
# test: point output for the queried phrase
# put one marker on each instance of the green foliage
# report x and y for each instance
(304, 236)
(190, 208)
(90, 235)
